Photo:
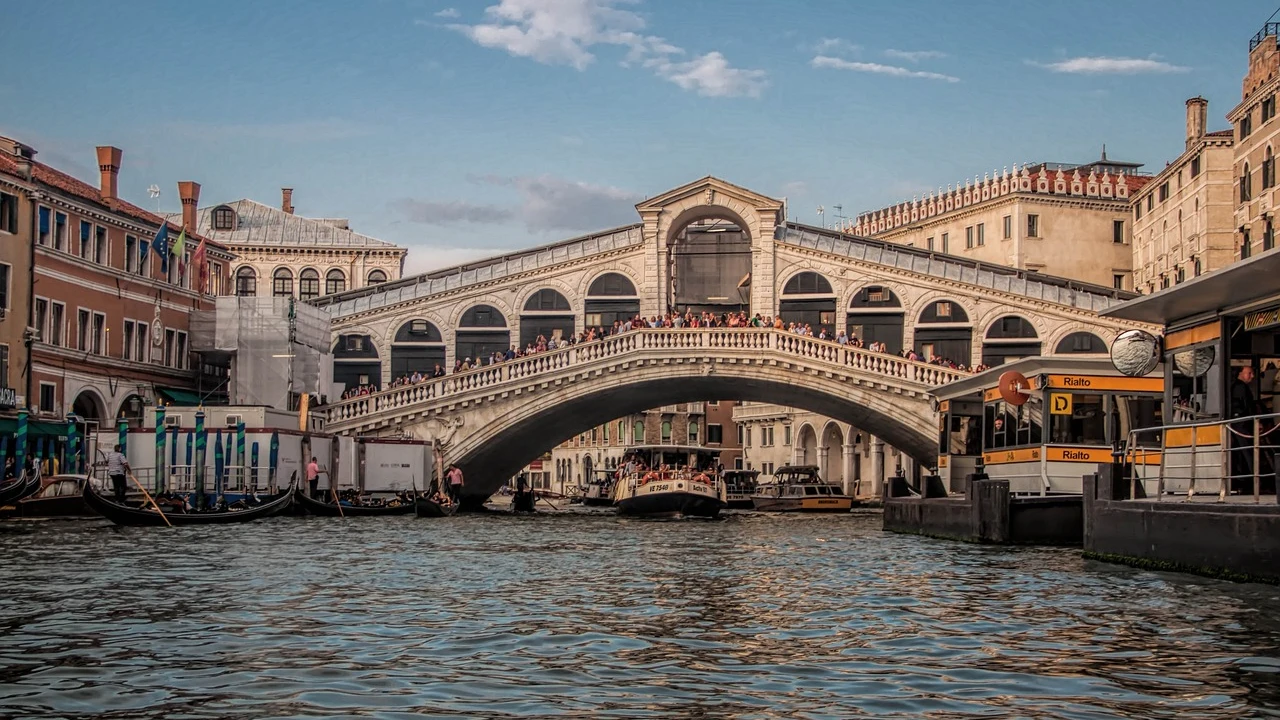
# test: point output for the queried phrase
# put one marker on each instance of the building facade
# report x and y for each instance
(773, 436)
(1066, 220)
(1257, 139)
(109, 319)
(282, 254)
(1182, 219)
(571, 463)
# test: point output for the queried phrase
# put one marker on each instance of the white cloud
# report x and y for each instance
(547, 203)
(564, 32)
(1112, 65)
(914, 56)
(712, 76)
(449, 13)
(823, 61)
(834, 45)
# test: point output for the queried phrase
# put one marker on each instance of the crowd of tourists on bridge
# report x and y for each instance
(686, 319)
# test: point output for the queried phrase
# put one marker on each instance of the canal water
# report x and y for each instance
(592, 616)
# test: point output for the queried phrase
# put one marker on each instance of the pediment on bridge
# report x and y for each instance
(714, 191)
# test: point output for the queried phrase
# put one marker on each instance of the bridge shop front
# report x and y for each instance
(1013, 445)
(1198, 492)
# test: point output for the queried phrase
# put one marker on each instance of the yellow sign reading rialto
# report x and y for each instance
(1060, 403)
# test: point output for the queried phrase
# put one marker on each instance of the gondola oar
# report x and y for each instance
(336, 501)
(147, 495)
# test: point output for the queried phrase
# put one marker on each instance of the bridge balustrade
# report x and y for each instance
(646, 339)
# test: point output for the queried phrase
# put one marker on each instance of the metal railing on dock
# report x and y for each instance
(1186, 457)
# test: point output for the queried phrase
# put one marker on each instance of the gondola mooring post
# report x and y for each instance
(199, 459)
(160, 438)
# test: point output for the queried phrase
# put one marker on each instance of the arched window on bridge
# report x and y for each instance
(1009, 338)
(808, 299)
(546, 313)
(944, 331)
(1081, 343)
(693, 433)
(417, 347)
(710, 266)
(876, 315)
(611, 297)
(637, 432)
(355, 361)
(481, 332)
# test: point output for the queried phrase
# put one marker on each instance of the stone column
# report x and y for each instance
(822, 463)
(877, 466)
(848, 456)
(797, 453)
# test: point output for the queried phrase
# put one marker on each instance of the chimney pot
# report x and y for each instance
(286, 200)
(109, 167)
(1197, 119)
(189, 193)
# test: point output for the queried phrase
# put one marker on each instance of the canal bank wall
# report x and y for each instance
(1224, 540)
(985, 513)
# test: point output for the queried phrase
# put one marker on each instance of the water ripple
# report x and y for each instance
(590, 616)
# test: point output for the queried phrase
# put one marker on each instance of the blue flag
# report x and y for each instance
(161, 247)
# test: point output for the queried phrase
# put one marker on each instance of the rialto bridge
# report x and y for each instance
(709, 245)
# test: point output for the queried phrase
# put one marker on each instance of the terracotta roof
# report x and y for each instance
(1221, 133)
(77, 188)
(1137, 182)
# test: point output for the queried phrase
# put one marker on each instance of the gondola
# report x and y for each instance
(427, 507)
(146, 515)
(325, 509)
(20, 488)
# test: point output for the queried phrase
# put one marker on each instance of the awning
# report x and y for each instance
(1234, 286)
(177, 396)
(9, 426)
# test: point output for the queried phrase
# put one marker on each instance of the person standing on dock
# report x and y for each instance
(1242, 406)
(313, 477)
(117, 468)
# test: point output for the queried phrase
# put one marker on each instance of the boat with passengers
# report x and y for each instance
(739, 486)
(670, 481)
(599, 488)
(799, 488)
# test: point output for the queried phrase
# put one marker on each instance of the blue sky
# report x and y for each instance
(466, 128)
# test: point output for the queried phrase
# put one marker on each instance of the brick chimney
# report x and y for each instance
(189, 193)
(109, 165)
(286, 200)
(1197, 119)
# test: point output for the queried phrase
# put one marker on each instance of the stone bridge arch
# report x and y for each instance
(490, 451)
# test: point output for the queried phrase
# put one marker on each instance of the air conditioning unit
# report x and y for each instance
(173, 421)
(234, 420)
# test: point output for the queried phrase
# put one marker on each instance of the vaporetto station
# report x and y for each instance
(706, 246)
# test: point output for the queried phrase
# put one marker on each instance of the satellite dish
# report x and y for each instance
(1194, 363)
(154, 191)
(1135, 353)
(1014, 387)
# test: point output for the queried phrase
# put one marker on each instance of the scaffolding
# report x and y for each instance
(276, 348)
